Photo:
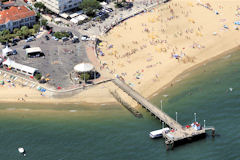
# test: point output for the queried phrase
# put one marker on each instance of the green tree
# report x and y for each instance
(44, 22)
(24, 31)
(32, 31)
(39, 5)
(19, 33)
(60, 35)
(36, 27)
(5, 32)
(38, 15)
(90, 7)
(9, 37)
(2, 39)
(15, 30)
(85, 76)
(38, 76)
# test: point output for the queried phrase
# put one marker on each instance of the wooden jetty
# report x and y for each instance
(180, 134)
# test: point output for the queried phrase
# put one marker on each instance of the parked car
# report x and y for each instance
(29, 39)
(64, 39)
(4, 43)
(85, 38)
(14, 43)
(14, 52)
(109, 9)
(16, 40)
(50, 31)
(26, 46)
(100, 13)
(46, 37)
(48, 27)
(55, 38)
(70, 34)
(75, 39)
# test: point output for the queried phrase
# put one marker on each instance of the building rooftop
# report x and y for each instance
(15, 13)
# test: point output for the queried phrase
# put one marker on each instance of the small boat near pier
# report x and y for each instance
(158, 133)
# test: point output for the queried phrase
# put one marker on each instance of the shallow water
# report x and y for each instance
(63, 132)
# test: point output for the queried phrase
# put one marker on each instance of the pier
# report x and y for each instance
(180, 133)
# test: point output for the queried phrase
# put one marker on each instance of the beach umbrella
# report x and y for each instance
(225, 26)
(237, 22)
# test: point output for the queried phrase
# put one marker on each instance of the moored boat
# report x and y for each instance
(22, 151)
(158, 133)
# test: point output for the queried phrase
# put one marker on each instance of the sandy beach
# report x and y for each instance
(150, 50)
(153, 48)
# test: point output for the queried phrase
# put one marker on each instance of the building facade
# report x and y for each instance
(15, 17)
(60, 6)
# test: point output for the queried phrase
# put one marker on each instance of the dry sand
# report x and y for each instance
(21, 94)
(143, 47)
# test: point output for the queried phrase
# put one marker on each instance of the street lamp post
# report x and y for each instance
(162, 124)
(195, 117)
(204, 123)
(176, 116)
(161, 105)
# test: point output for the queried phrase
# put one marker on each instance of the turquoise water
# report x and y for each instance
(72, 132)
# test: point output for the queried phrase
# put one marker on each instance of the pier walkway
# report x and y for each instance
(146, 104)
(180, 132)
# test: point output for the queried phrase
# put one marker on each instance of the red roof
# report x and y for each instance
(15, 13)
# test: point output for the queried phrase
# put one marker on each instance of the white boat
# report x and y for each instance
(158, 133)
(22, 151)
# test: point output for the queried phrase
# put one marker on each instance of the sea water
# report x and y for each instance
(110, 132)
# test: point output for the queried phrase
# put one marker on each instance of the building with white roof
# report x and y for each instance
(60, 6)
(30, 71)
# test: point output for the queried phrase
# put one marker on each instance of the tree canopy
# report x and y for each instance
(85, 76)
(43, 22)
(60, 35)
(23, 32)
(39, 5)
(90, 7)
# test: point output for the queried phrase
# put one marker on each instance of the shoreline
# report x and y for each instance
(67, 101)
(183, 73)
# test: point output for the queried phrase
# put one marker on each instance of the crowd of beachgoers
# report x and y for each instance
(149, 50)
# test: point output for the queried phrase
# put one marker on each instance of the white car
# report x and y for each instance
(85, 38)
(55, 38)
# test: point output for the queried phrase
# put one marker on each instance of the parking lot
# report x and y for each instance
(59, 60)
